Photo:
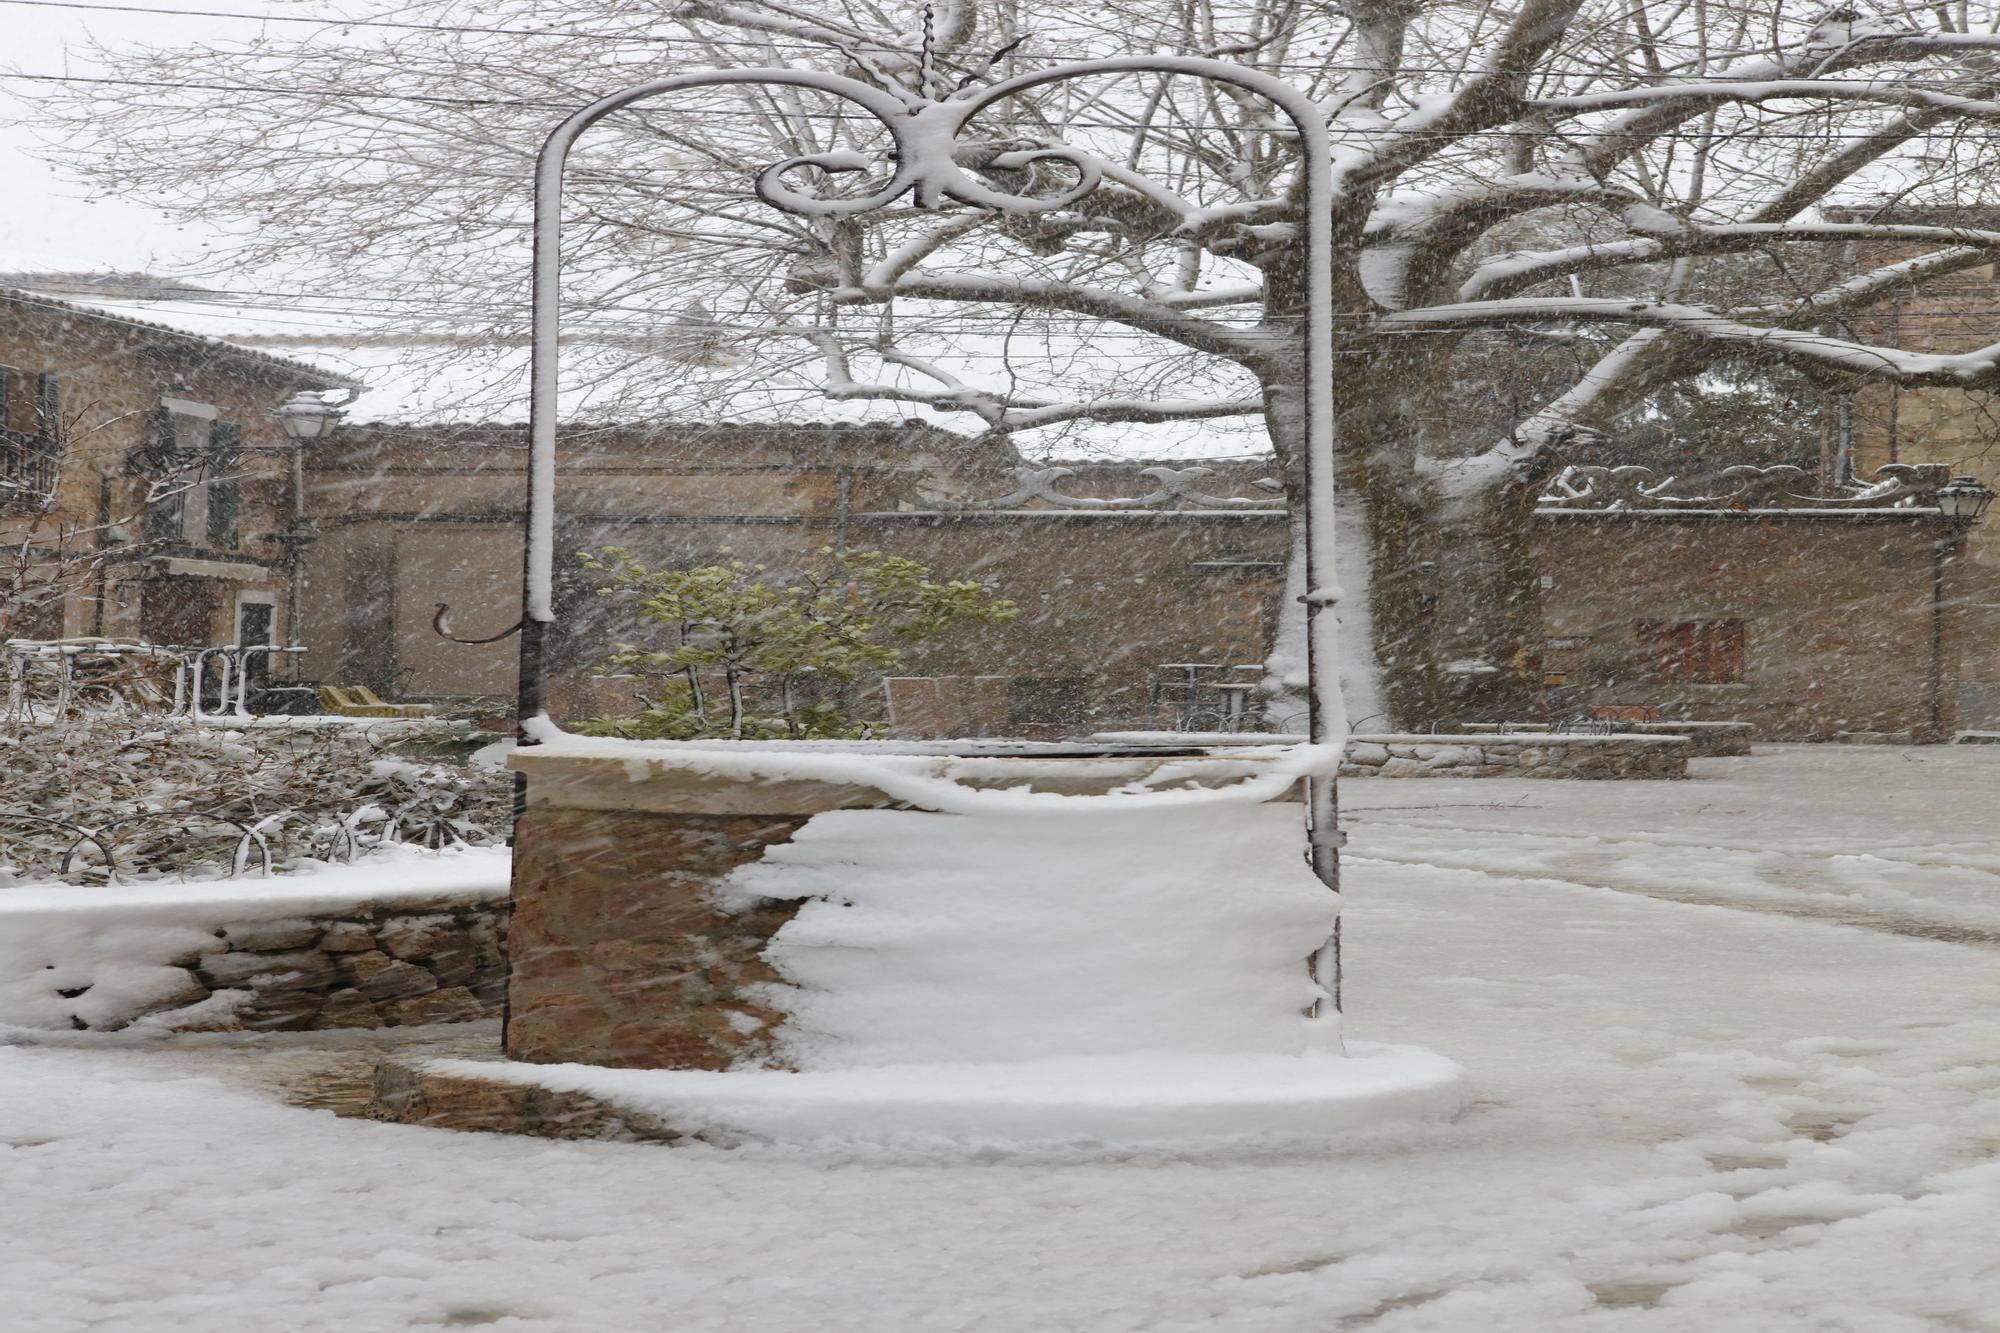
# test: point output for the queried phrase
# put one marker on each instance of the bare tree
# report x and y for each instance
(1656, 185)
(52, 553)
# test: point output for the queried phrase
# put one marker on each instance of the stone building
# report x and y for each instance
(145, 485)
(413, 518)
(1884, 425)
(1808, 617)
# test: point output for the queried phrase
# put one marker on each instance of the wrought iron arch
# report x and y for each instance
(924, 132)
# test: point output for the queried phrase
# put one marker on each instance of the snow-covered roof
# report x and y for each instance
(311, 375)
(432, 378)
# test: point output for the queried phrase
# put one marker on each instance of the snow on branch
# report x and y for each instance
(1976, 369)
(1006, 413)
(1507, 274)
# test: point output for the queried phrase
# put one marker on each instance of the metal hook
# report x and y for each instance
(441, 625)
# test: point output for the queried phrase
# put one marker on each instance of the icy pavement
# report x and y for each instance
(1690, 1118)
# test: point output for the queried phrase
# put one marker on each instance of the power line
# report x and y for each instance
(823, 48)
(1339, 133)
(332, 21)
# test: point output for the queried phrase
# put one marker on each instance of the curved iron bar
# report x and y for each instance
(81, 834)
(247, 838)
(926, 167)
(440, 820)
(441, 626)
(277, 823)
(1173, 486)
(1631, 486)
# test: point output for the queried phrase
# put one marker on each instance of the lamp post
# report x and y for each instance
(306, 418)
(1960, 502)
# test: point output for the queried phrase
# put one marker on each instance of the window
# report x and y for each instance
(1049, 700)
(195, 463)
(30, 440)
(1694, 652)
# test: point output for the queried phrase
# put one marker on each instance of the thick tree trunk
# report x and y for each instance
(1489, 623)
(1440, 615)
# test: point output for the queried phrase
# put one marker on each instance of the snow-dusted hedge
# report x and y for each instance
(166, 798)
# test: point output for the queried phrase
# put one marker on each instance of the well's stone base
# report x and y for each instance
(620, 956)
(409, 1094)
(1315, 1101)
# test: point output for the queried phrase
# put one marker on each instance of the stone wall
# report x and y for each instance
(367, 966)
(1835, 614)
(1515, 756)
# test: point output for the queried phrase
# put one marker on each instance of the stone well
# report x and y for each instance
(624, 950)
(930, 947)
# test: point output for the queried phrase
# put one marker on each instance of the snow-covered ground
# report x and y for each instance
(1688, 1117)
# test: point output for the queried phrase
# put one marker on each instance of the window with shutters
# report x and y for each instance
(1694, 652)
(30, 440)
(195, 465)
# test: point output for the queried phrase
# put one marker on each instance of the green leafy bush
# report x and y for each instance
(737, 645)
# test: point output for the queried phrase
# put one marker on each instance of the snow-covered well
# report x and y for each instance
(925, 937)
(1094, 941)
(800, 905)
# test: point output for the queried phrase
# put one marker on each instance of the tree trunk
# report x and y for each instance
(1489, 623)
(1440, 613)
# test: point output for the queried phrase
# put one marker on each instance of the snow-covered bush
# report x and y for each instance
(199, 802)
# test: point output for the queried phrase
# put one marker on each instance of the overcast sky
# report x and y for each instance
(49, 221)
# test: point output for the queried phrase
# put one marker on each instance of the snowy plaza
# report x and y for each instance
(1000, 666)
(1730, 1044)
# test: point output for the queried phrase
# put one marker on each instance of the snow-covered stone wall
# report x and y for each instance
(337, 950)
(1528, 755)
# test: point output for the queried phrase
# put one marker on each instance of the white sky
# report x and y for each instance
(48, 221)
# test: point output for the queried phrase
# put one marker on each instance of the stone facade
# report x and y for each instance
(1515, 756)
(1835, 607)
(411, 518)
(1881, 424)
(1837, 626)
(90, 391)
(368, 966)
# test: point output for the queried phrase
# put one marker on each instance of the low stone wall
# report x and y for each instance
(369, 969)
(80, 959)
(1522, 755)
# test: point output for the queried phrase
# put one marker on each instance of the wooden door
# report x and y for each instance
(179, 612)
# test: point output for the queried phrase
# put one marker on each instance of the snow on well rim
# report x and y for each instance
(1147, 1100)
(936, 775)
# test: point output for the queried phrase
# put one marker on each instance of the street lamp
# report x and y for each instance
(1963, 500)
(307, 417)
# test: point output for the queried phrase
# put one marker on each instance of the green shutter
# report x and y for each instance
(48, 412)
(163, 516)
(225, 493)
